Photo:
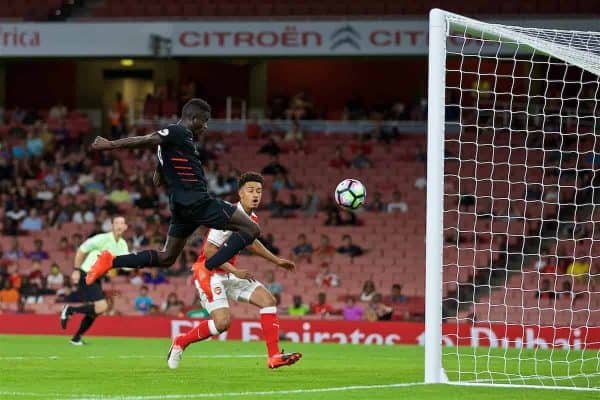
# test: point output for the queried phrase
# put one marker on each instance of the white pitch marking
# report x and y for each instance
(213, 395)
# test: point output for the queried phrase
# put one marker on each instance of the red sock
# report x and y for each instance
(270, 328)
(203, 331)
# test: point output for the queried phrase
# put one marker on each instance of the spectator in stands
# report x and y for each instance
(143, 302)
(73, 186)
(377, 204)
(38, 252)
(118, 117)
(15, 253)
(545, 292)
(219, 187)
(106, 220)
(269, 243)
(397, 204)
(271, 147)
(58, 111)
(339, 161)
(324, 253)
(86, 214)
(34, 144)
(300, 106)
(44, 194)
(274, 167)
(47, 138)
(271, 284)
(368, 291)
(352, 311)
(294, 204)
(567, 291)
(310, 205)
(120, 194)
(17, 213)
(377, 310)
(277, 185)
(579, 269)
(9, 294)
(348, 248)
(334, 215)
(64, 247)
(55, 279)
(154, 277)
(321, 307)
(154, 310)
(148, 199)
(139, 238)
(138, 278)
(327, 278)
(298, 308)
(397, 297)
(361, 161)
(450, 301)
(294, 137)
(303, 250)
(29, 292)
(172, 305)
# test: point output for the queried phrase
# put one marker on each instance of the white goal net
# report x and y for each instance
(513, 120)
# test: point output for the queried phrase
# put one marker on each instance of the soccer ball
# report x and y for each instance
(350, 194)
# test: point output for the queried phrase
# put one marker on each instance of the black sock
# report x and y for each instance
(87, 308)
(146, 258)
(236, 242)
(86, 323)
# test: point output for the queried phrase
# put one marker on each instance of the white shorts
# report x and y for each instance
(226, 286)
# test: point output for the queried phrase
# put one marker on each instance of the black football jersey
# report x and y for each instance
(180, 165)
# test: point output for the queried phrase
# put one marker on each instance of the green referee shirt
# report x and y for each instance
(98, 243)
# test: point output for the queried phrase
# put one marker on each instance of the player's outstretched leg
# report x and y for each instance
(208, 328)
(142, 259)
(244, 232)
(269, 322)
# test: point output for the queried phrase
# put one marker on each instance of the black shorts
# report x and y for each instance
(90, 293)
(211, 212)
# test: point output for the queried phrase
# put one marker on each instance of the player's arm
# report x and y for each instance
(157, 178)
(80, 256)
(260, 250)
(210, 249)
(151, 139)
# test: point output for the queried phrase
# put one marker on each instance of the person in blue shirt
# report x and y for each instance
(143, 302)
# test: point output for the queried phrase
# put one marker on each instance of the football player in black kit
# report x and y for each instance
(189, 201)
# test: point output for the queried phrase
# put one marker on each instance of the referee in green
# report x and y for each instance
(95, 300)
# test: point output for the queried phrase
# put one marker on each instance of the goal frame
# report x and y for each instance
(438, 29)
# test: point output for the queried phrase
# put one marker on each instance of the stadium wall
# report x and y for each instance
(320, 331)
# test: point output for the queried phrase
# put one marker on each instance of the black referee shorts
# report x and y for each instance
(90, 293)
(210, 212)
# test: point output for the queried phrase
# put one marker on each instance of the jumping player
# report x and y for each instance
(190, 204)
(229, 282)
(86, 255)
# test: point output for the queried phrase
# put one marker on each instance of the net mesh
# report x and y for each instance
(521, 271)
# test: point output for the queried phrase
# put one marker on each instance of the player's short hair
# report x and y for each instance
(117, 216)
(193, 107)
(250, 177)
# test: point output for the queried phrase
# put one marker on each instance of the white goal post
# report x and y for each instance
(513, 205)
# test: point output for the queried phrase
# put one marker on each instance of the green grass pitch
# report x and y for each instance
(48, 367)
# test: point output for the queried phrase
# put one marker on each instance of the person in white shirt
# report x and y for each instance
(397, 204)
